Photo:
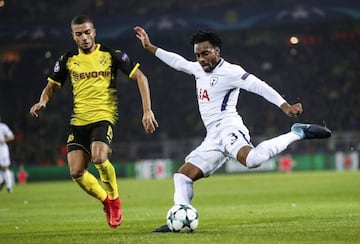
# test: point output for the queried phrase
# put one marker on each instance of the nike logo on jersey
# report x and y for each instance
(244, 76)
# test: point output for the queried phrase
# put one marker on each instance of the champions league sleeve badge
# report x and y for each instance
(57, 67)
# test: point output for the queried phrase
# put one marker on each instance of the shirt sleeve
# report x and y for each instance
(175, 61)
(253, 84)
(125, 63)
(60, 71)
(7, 131)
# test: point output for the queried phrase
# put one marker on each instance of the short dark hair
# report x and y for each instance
(203, 36)
(81, 19)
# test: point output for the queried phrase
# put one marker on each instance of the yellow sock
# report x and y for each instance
(90, 184)
(108, 178)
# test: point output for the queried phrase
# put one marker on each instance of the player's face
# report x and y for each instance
(207, 55)
(84, 36)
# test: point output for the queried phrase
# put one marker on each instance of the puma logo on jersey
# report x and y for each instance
(203, 94)
(70, 138)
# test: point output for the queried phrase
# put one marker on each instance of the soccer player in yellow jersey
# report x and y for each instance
(92, 70)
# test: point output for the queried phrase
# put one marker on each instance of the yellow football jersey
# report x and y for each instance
(93, 82)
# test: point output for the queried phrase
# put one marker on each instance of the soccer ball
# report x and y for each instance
(182, 218)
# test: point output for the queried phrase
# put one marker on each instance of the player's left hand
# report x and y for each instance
(149, 122)
(36, 108)
(292, 110)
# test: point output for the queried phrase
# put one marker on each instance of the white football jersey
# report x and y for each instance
(218, 90)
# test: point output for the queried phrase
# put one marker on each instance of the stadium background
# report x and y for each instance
(321, 71)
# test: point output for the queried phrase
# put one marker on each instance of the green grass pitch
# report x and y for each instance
(305, 207)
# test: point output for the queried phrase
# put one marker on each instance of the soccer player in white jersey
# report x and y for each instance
(218, 83)
(6, 135)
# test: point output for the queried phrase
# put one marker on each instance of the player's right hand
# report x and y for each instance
(144, 38)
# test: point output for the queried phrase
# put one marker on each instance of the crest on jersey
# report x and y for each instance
(213, 80)
(102, 60)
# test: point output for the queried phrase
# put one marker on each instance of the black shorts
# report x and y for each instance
(81, 137)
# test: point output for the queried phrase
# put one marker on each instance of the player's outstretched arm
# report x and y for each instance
(149, 122)
(145, 40)
(47, 93)
(292, 110)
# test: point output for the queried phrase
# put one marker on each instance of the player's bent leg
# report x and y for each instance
(77, 160)
(90, 185)
(112, 208)
(268, 149)
(274, 146)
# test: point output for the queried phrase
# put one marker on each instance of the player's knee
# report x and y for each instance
(99, 158)
(191, 171)
(242, 155)
(74, 173)
(252, 166)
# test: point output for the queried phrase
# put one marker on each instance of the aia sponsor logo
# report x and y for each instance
(202, 94)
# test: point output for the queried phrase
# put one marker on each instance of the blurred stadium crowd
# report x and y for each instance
(43, 9)
(318, 66)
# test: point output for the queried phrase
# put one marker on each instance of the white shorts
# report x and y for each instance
(4, 156)
(4, 161)
(223, 141)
